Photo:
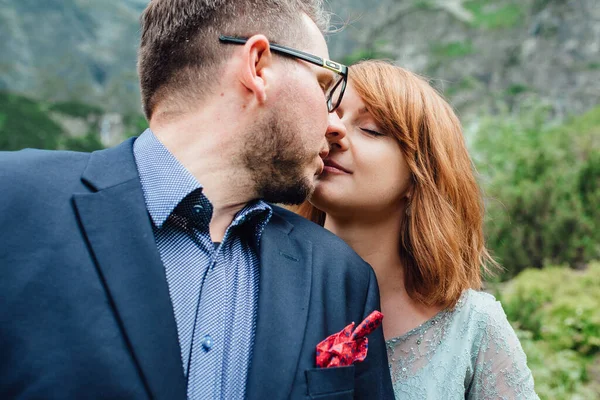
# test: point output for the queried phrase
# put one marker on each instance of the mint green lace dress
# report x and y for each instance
(470, 352)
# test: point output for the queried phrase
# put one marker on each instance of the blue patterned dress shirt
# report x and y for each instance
(213, 287)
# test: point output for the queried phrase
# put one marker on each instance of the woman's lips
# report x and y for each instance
(333, 167)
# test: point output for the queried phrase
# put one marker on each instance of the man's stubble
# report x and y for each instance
(276, 159)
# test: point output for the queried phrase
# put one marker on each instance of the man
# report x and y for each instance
(156, 269)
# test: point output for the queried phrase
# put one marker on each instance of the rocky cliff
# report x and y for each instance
(486, 53)
(483, 54)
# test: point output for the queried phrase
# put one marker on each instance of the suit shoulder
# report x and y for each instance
(306, 228)
(30, 175)
(330, 248)
(34, 164)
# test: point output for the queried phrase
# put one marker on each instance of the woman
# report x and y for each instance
(399, 188)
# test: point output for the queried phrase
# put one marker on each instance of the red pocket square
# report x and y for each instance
(349, 345)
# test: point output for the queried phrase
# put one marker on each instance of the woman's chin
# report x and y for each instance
(325, 196)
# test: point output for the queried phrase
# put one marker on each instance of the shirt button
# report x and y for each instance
(198, 209)
(207, 342)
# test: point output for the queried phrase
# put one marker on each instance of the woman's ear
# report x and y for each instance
(257, 61)
(408, 199)
(411, 189)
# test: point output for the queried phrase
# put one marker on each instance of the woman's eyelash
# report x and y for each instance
(372, 132)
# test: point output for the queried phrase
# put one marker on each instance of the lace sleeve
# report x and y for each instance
(500, 367)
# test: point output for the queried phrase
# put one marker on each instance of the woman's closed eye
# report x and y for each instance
(372, 132)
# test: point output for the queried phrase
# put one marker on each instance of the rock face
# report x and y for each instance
(481, 53)
(71, 49)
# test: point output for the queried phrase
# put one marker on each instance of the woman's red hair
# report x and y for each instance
(441, 244)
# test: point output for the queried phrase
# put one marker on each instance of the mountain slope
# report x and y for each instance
(484, 54)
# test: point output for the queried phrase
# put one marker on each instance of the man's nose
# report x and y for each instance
(336, 133)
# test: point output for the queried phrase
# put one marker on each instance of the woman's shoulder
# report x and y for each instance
(483, 320)
(481, 311)
(499, 363)
(480, 303)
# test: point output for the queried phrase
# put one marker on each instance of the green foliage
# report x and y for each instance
(516, 89)
(135, 124)
(465, 84)
(452, 49)
(588, 186)
(88, 143)
(76, 109)
(28, 123)
(422, 4)
(374, 52)
(543, 186)
(24, 123)
(555, 313)
(558, 375)
(557, 305)
(489, 14)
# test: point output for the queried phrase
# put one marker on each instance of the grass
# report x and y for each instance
(491, 15)
(452, 50)
(76, 109)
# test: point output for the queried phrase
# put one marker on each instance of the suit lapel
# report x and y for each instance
(118, 228)
(283, 302)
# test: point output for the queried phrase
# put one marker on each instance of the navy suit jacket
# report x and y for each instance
(85, 310)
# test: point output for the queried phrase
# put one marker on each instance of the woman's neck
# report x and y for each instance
(378, 243)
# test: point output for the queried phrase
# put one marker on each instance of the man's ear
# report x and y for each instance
(256, 66)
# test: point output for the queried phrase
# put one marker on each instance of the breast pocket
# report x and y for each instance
(331, 383)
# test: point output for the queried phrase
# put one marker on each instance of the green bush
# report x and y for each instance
(76, 109)
(24, 123)
(555, 312)
(88, 143)
(558, 375)
(557, 305)
(27, 123)
(135, 124)
(542, 184)
(376, 51)
(492, 15)
(452, 49)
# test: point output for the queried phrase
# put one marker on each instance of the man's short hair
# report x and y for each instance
(180, 52)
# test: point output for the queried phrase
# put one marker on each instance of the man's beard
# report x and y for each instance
(275, 157)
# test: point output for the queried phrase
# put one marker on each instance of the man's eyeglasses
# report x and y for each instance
(334, 93)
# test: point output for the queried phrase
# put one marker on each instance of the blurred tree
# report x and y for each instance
(135, 124)
(543, 185)
(87, 143)
(76, 109)
(24, 123)
(555, 313)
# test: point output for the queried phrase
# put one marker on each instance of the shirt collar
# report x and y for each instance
(165, 181)
(257, 214)
(257, 211)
